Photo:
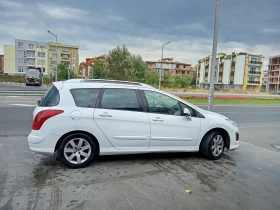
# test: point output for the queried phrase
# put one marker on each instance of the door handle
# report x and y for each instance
(158, 119)
(105, 115)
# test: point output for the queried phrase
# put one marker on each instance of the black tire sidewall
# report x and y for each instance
(93, 154)
(206, 150)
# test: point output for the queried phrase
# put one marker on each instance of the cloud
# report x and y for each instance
(275, 30)
(8, 4)
(62, 12)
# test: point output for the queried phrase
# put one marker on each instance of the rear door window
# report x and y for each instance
(120, 99)
(51, 98)
(85, 97)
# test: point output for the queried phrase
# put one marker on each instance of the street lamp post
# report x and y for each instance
(56, 53)
(42, 64)
(214, 52)
(161, 70)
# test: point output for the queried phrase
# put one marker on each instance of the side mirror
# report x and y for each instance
(187, 113)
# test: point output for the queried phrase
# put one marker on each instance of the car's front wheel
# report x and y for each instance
(77, 150)
(212, 145)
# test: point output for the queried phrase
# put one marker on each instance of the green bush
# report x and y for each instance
(9, 78)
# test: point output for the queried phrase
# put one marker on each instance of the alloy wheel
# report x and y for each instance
(217, 146)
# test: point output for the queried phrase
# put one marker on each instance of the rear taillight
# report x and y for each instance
(42, 116)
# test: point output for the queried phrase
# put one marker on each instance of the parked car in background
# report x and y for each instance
(80, 119)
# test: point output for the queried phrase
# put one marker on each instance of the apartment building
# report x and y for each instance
(273, 76)
(264, 79)
(86, 66)
(1, 64)
(29, 54)
(67, 55)
(173, 67)
(9, 59)
(235, 71)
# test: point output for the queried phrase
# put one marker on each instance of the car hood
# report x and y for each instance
(214, 114)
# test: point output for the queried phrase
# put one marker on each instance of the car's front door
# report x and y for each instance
(169, 128)
(121, 117)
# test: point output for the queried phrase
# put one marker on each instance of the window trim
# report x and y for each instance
(146, 105)
(93, 104)
(138, 98)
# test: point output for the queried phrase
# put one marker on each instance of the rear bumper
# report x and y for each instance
(42, 143)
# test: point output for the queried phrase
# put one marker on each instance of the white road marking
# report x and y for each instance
(12, 96)
(260, 126)
(22, 105)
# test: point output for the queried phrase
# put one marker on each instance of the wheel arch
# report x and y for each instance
(222, 131)
(78, 131)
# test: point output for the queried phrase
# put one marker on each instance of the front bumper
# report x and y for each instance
(234, 139)
(40, 142)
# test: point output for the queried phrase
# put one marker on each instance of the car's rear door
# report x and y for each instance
(121, 117)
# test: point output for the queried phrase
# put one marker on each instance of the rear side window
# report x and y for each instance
(85, 97)
(51, 98)
(121, 99)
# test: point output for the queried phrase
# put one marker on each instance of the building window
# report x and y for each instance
(41, 54)
(20, 68)
(40, 62)
(42, 46)
(53, 55)
(73, 54)
(53, 62)
(20, 60)
(73, 61)
(65, 49)
(20, 52)
(20, 44)
(231, 78)
(31, 46)
(53, 47)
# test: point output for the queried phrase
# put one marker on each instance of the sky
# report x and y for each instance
(143, 26)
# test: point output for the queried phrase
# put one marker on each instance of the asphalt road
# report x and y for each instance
(7, 86)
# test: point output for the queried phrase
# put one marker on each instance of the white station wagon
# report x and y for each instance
(80, 119)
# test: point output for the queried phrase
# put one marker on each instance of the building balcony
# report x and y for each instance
(274, 70)
(30, 49)
(30, 56)
(65, 52)
(256, 73)
(258, 63)
(65, 58)
(273, 76)
(254, 82)
(30, 64)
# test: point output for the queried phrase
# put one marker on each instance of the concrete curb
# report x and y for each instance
(17, 83)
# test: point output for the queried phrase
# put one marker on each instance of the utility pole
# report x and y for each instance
(56, 53)
(160, 72)
(214, 52)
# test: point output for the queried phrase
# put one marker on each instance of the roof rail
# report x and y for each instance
(110, 81)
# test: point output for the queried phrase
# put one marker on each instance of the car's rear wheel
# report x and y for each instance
(77, 150)
(212, 145)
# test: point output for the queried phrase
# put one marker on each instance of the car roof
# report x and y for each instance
(103, 82)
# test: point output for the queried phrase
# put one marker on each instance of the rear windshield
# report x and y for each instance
(85, 97)
(51, 98)
(32, 73)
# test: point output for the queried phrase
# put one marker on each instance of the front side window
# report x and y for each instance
(85, 97)
(192, 111)
(51, 98)
(120, 99)
(162, 104)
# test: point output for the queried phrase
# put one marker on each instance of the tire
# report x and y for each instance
(210, 142)
(77, 157)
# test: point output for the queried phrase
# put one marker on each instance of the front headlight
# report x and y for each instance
(232, 122)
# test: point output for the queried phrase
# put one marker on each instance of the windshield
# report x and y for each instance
(32, 73)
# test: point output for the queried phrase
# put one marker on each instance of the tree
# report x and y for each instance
(176, 81)
(62, 73)
(140, 69)
(98, 70)
(185, 81)
(120, 64)
(167, 80)
(151, 77)
(193, 82)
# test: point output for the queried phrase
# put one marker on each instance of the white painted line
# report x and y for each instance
(260, 126)
(22, 105)
(12, 96)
